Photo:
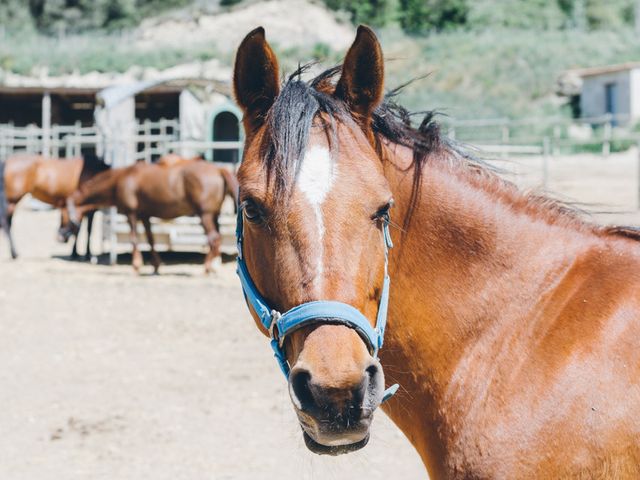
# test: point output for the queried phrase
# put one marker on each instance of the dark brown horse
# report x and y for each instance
(513, 325)
(50, 180)
(142, 191)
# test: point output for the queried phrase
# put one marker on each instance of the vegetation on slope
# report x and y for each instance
(493, 58)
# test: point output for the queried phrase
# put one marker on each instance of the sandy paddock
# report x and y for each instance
(108, 375)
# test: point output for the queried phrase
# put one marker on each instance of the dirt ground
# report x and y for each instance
(105, 375)
(109, 375)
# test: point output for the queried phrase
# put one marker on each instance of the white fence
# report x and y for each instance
(562, 134)
(149, 138)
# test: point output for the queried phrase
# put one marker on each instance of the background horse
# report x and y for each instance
(513, 325)
(142, 191)
(50, 180)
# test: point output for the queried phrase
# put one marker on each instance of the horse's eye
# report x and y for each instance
(251, 212)
(383, 212)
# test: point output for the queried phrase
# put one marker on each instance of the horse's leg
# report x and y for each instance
(87, 255)
(217, 258)
(6, 221)
(74, 250)
(214, 240)
(155, 258)
(133, 235)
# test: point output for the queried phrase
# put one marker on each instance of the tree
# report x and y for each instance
(420, 16)
(371, 12)
(119, 13)
(14, 14)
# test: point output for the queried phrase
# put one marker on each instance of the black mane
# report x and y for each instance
(300, 102)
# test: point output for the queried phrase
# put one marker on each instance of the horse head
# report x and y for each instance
(313, 223)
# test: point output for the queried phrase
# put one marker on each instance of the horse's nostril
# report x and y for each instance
(372, 370)
(299, 381)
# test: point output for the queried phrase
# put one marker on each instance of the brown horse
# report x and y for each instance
(50, 180)
(142, 191)
(513, 325)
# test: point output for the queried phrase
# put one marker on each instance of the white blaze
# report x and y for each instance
(315, 180)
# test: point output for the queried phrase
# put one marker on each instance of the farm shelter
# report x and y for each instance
(612, 90)
(49, 107)
(147, 119)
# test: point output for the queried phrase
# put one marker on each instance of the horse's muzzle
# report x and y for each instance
(336, 420)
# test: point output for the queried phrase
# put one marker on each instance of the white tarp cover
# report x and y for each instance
(193, 122)
(117, 126)
(115, 118)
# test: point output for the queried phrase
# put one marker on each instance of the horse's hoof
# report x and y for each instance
(14, 255)
(215, 266)
(93, 260)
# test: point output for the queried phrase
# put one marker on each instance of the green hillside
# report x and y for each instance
(495, 58)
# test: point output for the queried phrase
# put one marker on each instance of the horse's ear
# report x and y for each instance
(255, 78)
(361, 84)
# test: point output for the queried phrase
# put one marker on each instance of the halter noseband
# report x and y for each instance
(279, 325)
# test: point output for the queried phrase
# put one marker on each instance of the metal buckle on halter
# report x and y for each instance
(273, 331)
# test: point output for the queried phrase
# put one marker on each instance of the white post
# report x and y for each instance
(606, 143)
(113, 236)
(546, 150)
(55, 145)
(556, 139)
(77, 134)
(505, 138)
(31, 139)
(46, 125)
(147, 141)
(161, 145)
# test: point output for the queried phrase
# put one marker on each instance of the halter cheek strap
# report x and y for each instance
(279, 325)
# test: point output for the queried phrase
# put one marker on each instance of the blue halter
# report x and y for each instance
(279, 325)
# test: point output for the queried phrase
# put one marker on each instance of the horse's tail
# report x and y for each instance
(232, 186)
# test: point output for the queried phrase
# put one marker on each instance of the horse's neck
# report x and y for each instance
(91, 168)
(467, 269)
(100, 189)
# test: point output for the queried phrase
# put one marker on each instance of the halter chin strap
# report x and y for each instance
(279, 325)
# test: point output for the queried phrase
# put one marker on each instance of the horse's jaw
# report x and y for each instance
(324, 438)
(338, 448)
